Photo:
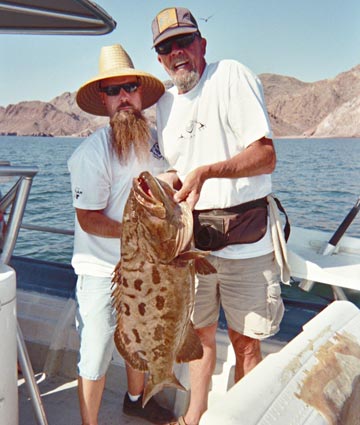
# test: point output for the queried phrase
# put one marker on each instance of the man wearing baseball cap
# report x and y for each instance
(214, 130)
(102, 169)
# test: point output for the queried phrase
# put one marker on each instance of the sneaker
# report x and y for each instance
(152, 412)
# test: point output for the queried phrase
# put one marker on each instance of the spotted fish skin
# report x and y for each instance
(154, 284)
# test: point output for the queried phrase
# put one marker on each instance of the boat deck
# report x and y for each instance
(59, 394)
(60, 400)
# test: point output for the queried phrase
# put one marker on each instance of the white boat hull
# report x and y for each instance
(8, 354)
(313, 380)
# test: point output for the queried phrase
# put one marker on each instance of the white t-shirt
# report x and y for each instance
(220, 117)
(100, 182)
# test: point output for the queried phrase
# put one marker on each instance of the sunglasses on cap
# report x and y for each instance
(165, 47)
(115, 90)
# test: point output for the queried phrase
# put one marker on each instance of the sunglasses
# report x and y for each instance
(115, 90)
(183, 41)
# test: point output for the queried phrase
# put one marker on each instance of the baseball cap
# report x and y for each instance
(171, 22)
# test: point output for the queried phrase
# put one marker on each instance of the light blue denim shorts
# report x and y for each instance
(95, 323)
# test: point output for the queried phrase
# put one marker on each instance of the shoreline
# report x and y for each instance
(274, 138)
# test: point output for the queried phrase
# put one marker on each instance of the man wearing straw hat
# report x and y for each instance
(102, 169)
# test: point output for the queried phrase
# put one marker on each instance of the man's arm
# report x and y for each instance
(97, 223)
(258, 158)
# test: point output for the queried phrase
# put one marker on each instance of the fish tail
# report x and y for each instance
(152, 388)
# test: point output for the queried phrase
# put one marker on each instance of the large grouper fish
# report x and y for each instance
(154, 284)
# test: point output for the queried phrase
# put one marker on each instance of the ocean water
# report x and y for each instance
(317, 181)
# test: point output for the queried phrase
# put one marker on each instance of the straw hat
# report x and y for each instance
(115, 62)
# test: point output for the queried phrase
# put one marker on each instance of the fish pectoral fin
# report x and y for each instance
(152, 388)
(134, 359)
(193, 253)
(203, 266)
(197, 255)
(191, 348)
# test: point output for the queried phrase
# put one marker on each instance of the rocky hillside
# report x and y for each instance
(326, 108)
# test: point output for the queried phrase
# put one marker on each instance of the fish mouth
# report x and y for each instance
(149, 193)
(156, 197)
(148, 187)
(144, 187)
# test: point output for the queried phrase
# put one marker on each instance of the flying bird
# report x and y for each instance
(206, 19)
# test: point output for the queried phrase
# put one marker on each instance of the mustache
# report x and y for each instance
(124, 105)
(124, 116)
(177, 59)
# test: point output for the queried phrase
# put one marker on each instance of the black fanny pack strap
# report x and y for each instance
(287, 223)
(238, 209)
(261, 202)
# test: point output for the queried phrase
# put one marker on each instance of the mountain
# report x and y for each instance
(326, 108)
(343, 120)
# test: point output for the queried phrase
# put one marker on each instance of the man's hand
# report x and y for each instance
(191, 188)
(171, 178)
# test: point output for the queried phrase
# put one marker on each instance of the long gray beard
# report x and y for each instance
(130, 131)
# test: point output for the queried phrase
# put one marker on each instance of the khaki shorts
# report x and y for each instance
(248, 291)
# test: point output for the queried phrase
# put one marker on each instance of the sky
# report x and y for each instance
(309, 40)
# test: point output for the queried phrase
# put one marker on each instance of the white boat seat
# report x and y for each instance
(306, 261)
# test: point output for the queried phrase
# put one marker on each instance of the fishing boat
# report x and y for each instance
(47, 341)
(37, 306)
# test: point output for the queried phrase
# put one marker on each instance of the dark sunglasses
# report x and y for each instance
(115, 90)
(182, 41)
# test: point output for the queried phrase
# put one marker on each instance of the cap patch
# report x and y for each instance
(167, 18)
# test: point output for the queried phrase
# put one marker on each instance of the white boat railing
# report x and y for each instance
(15, 200)
(47, 229)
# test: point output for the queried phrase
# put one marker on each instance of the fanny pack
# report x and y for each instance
(241, 224)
